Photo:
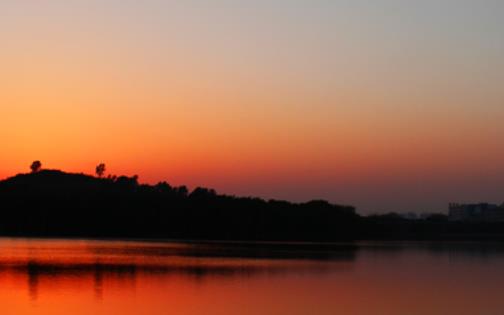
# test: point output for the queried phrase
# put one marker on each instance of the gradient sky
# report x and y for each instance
(385, 105)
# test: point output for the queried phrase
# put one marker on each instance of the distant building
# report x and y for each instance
(476, 212)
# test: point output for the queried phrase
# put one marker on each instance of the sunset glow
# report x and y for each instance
(397, 106)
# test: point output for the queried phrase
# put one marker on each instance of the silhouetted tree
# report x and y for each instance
(126, 181)
(182, 191)
(163, 187)
(36, 166)
(100, 170)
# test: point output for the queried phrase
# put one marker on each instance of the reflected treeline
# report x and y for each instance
(125, 270)
(255, 250)
(128, 264)
(122, 261)
(466, 250)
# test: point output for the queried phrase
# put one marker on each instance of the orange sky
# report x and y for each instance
(334, 101)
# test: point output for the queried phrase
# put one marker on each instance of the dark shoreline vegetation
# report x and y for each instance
(51, 203)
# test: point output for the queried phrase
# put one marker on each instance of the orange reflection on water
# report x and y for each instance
(94, 277)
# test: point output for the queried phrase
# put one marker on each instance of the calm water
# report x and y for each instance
(114, 277)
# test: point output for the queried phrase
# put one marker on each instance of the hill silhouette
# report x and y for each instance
(55, 203)
(51, 202)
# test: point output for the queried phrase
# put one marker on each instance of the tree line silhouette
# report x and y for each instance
(55, 203)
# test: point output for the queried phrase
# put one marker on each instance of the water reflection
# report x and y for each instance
(466, 251)
(97, 277)
(100, 260)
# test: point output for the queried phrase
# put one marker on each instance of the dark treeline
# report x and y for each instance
(54, 203)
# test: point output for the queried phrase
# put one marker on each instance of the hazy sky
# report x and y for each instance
(385, 105)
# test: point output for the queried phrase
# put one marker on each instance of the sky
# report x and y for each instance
(385, 105)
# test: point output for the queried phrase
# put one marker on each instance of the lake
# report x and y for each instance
(43, 277)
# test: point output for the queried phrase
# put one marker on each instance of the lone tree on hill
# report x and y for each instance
(100, 169)
(36, 166)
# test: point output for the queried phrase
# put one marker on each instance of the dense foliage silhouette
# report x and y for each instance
(100, 170)
(54, 203)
